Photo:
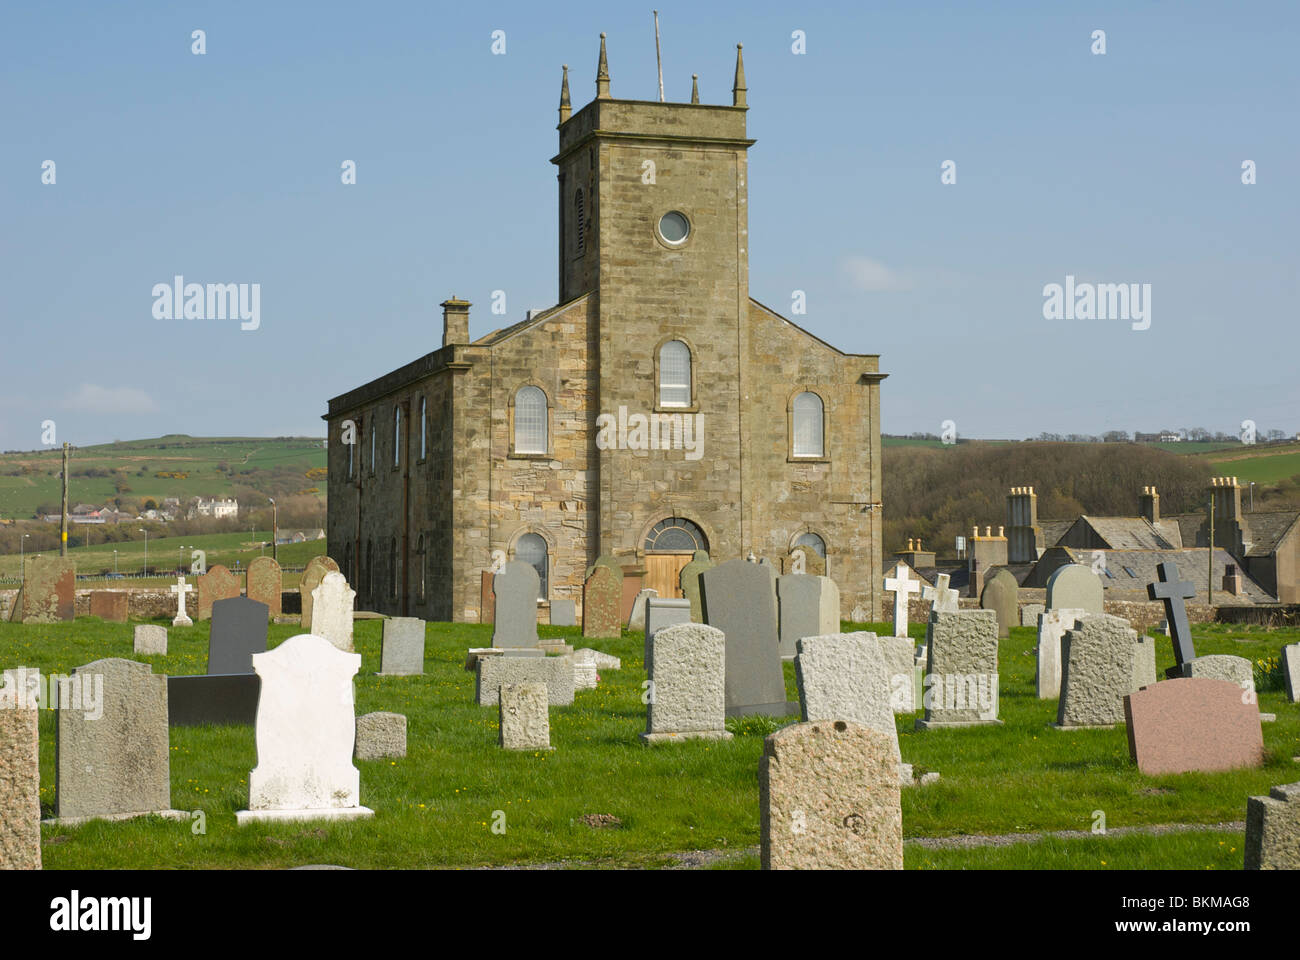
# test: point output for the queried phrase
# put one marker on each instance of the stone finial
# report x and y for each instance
(602, 73)
(909, 544)
(1002, 531)
(975, 532)
(566, 109)
(988, 531)
(738, 88)
(695, 88)
(918, 544)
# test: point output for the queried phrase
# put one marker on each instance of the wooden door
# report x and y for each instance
(663, 572)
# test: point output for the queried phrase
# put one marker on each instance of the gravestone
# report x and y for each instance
(306, 731)
(515, 617)
(217, 584)
(637, 620)
(804, 560)
(1192, 724)
(312, 575)
(1097, 671)
(689, 580)
(1029, 614)
(664, 612)
(584, 669)
(687, 691)
(20, 776)
(110, 605)
(49, 590)
(1001, 594)
(1273, 830)
(487, 601)
(213, 699)
(150, 639)
(266, 584)
(1144, 663)
(112, 755)
(555, 672)
(829, 799)
(1052, 625)
(1075, 587)
(737, 598)
(961, 674)
(181, 588)
(899, 654)
(331, 606)
(1290, 663)
(843, 676)
(943, 599)
(525, 717)
(808, 606)
(1173, 592)
(563, 612)
(1222, 666)
(602, 596)
(238, 631)
(380, 736)
(632, 581)
(402, 654)
(902, 586)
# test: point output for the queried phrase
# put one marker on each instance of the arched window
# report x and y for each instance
(807, 426)
(424, 430)
(580, 219)
(531, 549)
(530, 420)
(674, 374)
(397, 435)
(675, 535)
(810, 541)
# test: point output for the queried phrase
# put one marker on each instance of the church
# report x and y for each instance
(655, 410)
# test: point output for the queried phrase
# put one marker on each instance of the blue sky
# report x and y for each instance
(1120, 168)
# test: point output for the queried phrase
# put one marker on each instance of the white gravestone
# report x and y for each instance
(942, 598)
(180, 589)
(903, 587)
(331, 610)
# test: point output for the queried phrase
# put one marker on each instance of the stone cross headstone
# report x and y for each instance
(843, 676)
(217, 584)
(1173, 592)
(180, 588)
(1074, 586)
(402, 654)
(266, 584)
(49, 590)
(1001, 594)
(525, 717)
(1052, 625)
(602, 596)
(20, 776)
(829, 799)
(1192, 724)
(903, 586)
(1273, 829)
(687, 689)
(737, 598)
(112, 754)
(942, 598)
(1098, 655)
(150, 639)
(689, 580)
(961, 676)
(238, 631)
(515, 619)
(306, 731)
(331, 616)
(808, 606)
(312, 576)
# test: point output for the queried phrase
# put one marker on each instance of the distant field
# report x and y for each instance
(1261, 464)
(1195, 446)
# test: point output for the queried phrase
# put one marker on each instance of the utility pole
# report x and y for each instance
(63, 521)
(275, 531)
(1209, 574)
(659, 58)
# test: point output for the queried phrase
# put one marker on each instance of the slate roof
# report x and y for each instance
(1267, 530)
(1128, 533)
(1054, 530)
(1128, 572)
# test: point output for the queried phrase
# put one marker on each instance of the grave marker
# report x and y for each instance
(1097, 671)
(1173, 592)
(525, 717)
(181, 588)
(1273, 830)
(150, 639)
(1192, 724)
(687, 687)
(238, 632)
(20, 777)
(737, 597)
(602, 595)
(515, 615)
(961, 676)
(1074, 586)
(689, 580)
(266, 584)
(217, 584)
(402, 653)
(312, 576)
(331, 616)
(49, 591)
(903, 586)
(1052, 625)
(1001, 594)
(809, 606)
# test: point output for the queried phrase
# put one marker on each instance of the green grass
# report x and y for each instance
(1269, 465)
(437, 806)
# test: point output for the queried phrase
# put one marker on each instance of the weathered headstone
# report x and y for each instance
(402, 654)
(238, 631)
(637, 620)
(515, 618)
(110, 605)
(380, 736)
(1097, 672)
(1144, 663)
(1290, 663)
(899, 654)
(331, 616)
(843, 676)
(687, 689)
(112, 755)
(602, 596)
(1052, 625)
(1029, 614)
(1001, 594)
(1273, 830)
(50, 590)
(809, 606)
(961, 676)
(903, 586)
(266, 584)
(217, 584)
(312, 575)
(525, 717)
(737, 598)
(943, 599)
(829, 799)
(563, 612)
(306, 731)
(689, 579)
(1075, 587)
(20, 777)
(150, 639)
(487, 599)
(1192, 724)
(664, 612)
(555, 672)
(584, 669)
(1173, 592)
(181, 588)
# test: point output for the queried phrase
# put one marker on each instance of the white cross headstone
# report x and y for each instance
(903, 586)
(180, 589)
(942, 599)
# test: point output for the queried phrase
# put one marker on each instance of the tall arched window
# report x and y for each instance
(424, 428)
(580, 218)
(531, 549)
(674, 374)
(530, 420)
(807, 426)
(397, 435)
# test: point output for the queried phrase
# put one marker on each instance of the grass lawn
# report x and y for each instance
(438, 806)
(1270, 465)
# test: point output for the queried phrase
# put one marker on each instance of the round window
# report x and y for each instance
(674, 228)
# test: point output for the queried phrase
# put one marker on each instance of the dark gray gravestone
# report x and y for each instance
(563, 612)
(738, 598)
(238, 631)
(197, 700)
(516, 588)
(1173, 592)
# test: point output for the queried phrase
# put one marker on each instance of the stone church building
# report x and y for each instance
(656, 410)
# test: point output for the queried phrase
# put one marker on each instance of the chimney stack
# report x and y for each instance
(455, 321)
(1149, 505)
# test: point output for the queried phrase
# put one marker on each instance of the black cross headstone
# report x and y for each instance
(1173, 592)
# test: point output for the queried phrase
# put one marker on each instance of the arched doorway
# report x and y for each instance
(669, 545)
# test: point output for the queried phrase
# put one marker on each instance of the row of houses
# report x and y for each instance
(170, 510)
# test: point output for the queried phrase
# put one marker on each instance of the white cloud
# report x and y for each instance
(92, 398)
(873, 276)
